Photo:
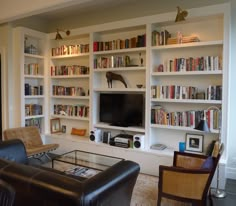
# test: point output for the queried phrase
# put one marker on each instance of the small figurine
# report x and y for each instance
(112, 76)
(180, 14)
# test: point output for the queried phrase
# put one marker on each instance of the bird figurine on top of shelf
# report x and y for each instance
(181, 14)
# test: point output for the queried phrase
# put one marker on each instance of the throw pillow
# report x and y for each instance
(208, 163)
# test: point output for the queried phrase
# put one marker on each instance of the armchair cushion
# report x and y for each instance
(208, 163)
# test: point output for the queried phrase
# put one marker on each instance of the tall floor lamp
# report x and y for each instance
(203, 126)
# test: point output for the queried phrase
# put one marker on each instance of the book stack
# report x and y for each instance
(183, 40)
(158, 146)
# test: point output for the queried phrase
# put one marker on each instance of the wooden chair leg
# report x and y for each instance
(159, 200)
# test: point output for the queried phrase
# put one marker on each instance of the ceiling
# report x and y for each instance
(90, 12)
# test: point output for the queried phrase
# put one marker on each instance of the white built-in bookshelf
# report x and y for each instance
(179, 76)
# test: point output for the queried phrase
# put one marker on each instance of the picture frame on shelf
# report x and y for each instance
(194, 142)
(63, 128)
(55, 125)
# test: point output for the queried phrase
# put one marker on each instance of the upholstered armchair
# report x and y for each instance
(32, 140)
(189, 179)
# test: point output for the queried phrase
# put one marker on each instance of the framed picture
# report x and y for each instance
(55, 125)
(63, 128)
(194, 142)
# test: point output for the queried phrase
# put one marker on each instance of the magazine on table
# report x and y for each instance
(82, 171)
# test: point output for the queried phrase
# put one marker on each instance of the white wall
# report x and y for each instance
(231, 164)
(13, 9)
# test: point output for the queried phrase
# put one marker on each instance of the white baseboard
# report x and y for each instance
(231, 173)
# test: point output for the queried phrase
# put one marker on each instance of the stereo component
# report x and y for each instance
(138, 141)
(96, 135)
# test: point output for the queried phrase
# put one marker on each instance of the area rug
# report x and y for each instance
(145, 193)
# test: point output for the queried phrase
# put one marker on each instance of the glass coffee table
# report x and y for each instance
(83, 164)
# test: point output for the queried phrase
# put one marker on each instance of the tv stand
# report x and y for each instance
(119, 124)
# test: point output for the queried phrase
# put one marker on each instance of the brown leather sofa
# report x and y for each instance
(40, 186)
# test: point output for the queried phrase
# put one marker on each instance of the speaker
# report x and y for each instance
(106, 137)
(138, 141)
(96, 135)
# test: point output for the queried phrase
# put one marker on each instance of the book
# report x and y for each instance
(158, 146)
(82, 171)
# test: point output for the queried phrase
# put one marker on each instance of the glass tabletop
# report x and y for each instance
(86, 159)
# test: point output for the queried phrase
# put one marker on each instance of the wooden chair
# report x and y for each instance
(187, 181)
(32, 140)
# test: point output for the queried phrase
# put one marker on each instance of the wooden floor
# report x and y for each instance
(230, 199)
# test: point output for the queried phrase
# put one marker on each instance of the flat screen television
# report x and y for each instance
(121, 109)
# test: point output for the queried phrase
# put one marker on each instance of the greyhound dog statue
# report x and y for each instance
(112, 76)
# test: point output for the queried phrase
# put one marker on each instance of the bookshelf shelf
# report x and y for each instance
(188, 129)
(118, 51)
(131, 129)
(123, 69)
(188, 73)
(70, 117)
(34, 116)
(124, 90)
(33, 56)
(34, 76)
(84, 76)
(70, 56)
(186, 45)
(188, 101)
(70, 97)
(34, 96)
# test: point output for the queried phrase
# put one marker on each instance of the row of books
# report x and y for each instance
(112, 62)
(69, 70)
(31, 69)
(164, 38)
(67, 91)
(34, 122)
(71, 110)
(33, 109)
(134, 42)
(186, 118)
(70, 49)
(206, 63)
(33, 90)
(160, 38)
(212, 92)
(173, 92)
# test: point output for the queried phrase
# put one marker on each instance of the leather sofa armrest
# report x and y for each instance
(13, 150)
(113, 186)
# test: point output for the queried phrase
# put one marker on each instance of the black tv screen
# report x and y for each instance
(122, 109)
